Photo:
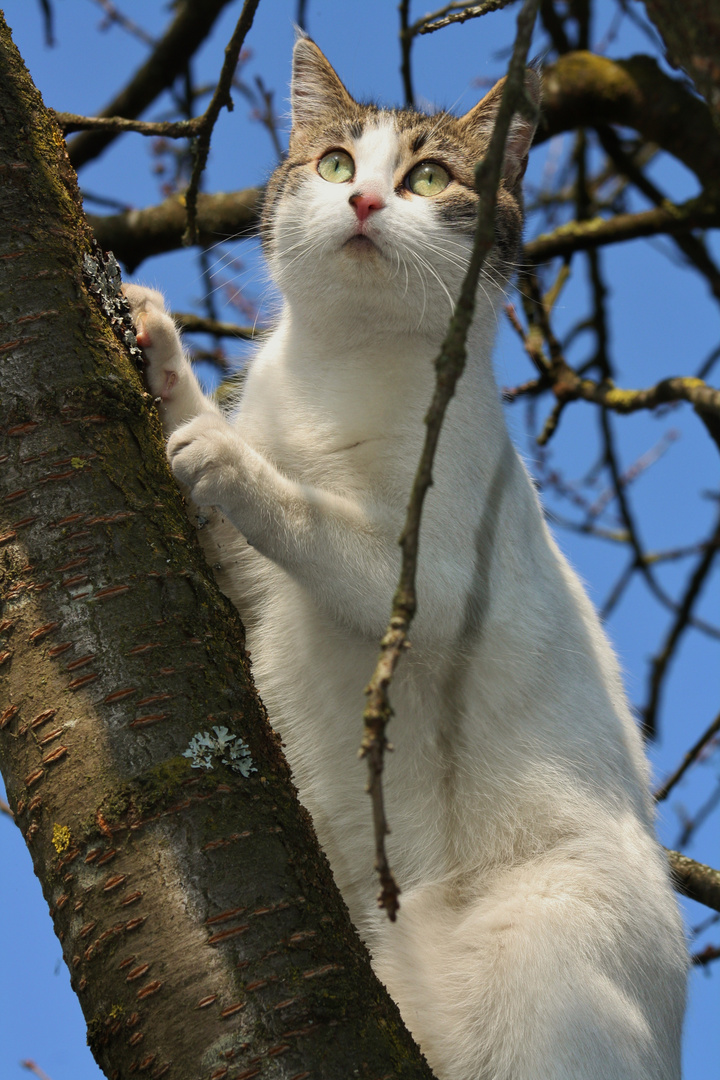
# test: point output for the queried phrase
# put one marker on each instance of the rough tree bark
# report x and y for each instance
(199, 921)
(691, 32)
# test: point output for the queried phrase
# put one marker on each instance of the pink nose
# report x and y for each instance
(365, 204)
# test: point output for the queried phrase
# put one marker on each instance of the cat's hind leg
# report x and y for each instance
(168, 373)
(561, 971)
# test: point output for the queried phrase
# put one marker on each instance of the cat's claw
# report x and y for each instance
(158, 338)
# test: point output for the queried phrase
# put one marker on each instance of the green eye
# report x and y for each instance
(336, 167)
(427, 179)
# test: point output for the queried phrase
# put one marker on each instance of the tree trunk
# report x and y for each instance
(200, 923)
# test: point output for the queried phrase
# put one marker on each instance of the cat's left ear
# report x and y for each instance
(316, 92)
(479, 124)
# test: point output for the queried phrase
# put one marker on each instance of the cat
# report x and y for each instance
(538, 937)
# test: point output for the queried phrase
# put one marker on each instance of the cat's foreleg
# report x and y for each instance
(341, 549)
(168, 374)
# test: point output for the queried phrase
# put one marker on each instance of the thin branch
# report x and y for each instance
(709, 363)
(191, 25)
(221, 98)
(195, 324)
(5, 809)
(33, 1067)
(555, 26)
(406, 40)
(692, 755)
(691, 246)
(616, 593)
(168, 129)
(568, 385)
(583, 235)
(706, 956)
(692, 824)
(456, 13)
(47, 14)
(695, 880)
(582, 89)
(449, 366)
(135, 236)
(682, 620)
(114, 15)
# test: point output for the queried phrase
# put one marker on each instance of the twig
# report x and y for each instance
(456, 13)
(641, 562)
(583, 235)
(5, 809)
(691, 246)
(692, 755)
(618, 589)
(706, 956)
(709, 363)
(692, 824)
(695, 879)
(136, 236)
(449, 366)
(682, 620)
(168, 129)
(195, 324)
(32, 1067)
(406, 39)
(47, 14)
(220, 98)
(555, 26)
(113, 15)
(191, 25)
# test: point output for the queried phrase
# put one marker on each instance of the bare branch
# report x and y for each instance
(457, 12)
(682, 619)
(706, 956)
(114, 15)
(406, 39)
(220, 98)
(33, 1067)
(583, 89)
(449, 366)
(168, 129)
(692, 755)
(138, 234)
(194, 324)
(180, 41)
(695, 880)
(700, 213)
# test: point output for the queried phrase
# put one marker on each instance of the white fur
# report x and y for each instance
(538, 938)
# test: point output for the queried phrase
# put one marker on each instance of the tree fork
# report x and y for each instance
(200, 922)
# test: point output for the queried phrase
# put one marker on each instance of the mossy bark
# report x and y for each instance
(691, 32)
(200, 923)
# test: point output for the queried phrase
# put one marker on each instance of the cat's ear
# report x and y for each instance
(316, 90)
(479, 122)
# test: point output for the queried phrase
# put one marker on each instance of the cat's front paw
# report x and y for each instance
(158, 338)
(204, 456)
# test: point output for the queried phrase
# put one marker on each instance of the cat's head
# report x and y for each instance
(375, 209)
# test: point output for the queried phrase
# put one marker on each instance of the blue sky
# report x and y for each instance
(662, 322)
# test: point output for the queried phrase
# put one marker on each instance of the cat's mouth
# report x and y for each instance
(361, 242)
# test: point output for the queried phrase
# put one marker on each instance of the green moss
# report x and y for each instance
(160, 785)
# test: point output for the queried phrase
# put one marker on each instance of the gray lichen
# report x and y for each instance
(205, 750)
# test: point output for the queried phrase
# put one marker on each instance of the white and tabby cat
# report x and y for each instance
(538, 938)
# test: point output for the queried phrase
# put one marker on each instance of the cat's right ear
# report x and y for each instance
(316, 91)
